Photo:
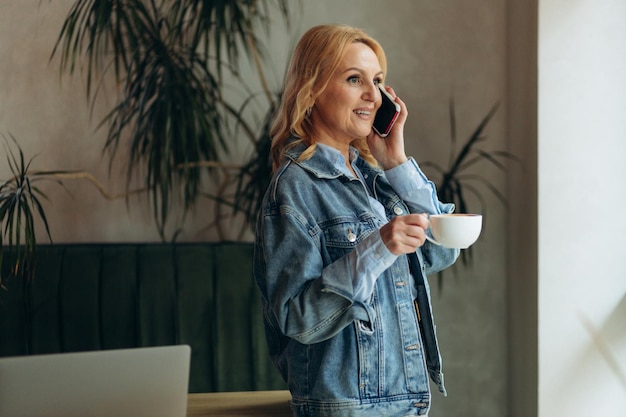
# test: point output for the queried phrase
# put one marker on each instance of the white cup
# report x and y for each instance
(455, 230)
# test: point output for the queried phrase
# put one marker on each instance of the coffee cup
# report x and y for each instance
(455, 230)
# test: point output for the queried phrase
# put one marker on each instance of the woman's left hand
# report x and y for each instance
(389, 151)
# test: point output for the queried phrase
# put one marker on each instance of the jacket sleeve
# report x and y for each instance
(307, 301)
(420, 195)
(415, 189)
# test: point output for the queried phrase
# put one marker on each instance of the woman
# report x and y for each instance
(341, 256)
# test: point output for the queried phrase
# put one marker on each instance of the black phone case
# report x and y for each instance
(386, 115)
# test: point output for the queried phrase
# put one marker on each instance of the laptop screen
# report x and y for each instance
(150, 382)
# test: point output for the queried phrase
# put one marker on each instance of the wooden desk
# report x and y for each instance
(240, 404)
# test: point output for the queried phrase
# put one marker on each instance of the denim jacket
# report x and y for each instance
(339, 356)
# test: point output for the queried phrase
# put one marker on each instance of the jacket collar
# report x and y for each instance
(322, 167)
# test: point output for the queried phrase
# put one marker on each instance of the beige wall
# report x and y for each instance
(436, 50)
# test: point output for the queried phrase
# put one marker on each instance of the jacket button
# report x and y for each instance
(351, 237)
(398, 210)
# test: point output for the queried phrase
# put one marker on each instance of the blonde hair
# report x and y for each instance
(315, 59)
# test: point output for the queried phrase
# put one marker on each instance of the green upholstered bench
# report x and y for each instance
(109, 296)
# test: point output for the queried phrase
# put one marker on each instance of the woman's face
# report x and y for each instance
(345, 110)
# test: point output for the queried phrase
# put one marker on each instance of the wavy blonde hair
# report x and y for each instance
(315, 59)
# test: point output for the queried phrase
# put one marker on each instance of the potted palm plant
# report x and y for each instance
(169, 60)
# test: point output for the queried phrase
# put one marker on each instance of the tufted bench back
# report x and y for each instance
(108, 296)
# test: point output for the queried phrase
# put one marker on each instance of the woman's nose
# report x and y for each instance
(371, 92)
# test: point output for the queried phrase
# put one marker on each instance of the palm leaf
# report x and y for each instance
(20, 207)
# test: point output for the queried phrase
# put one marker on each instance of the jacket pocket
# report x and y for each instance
(341, 235)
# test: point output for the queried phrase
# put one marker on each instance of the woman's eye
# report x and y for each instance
(378, 81)
(354, 80)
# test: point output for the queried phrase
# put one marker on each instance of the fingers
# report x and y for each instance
(416, 219)
(404, 234)
(404, 112)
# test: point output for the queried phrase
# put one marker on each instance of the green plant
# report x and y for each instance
(169, 58)
(20, 203)
(21, 206)
(456, 182)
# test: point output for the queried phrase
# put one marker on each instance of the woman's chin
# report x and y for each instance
(363, 132)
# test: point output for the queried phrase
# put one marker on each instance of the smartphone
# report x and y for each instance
(387, 113)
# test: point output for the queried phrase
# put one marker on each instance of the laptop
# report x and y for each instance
(140, 382)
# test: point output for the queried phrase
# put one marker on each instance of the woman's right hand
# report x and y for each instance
(389, 151)
(404, 234)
